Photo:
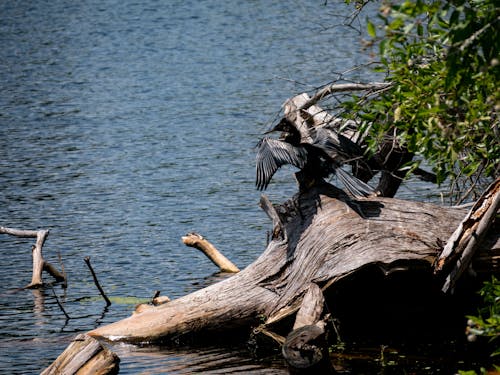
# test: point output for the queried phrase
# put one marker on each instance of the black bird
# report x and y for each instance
(318, 158)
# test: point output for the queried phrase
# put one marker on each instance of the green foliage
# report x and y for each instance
(443, 58)
(487, 322)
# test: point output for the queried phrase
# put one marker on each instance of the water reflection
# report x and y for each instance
(207, 360)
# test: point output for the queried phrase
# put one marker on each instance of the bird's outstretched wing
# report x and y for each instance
(337, 146)
(272, 154)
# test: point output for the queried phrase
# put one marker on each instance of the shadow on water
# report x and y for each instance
(194, 359)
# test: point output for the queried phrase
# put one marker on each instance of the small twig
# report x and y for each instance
(470, 40)
(19, 232)
(472, 186)
(157, 294)
(96, 282)
(59, 304)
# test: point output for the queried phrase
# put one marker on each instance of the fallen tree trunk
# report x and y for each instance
(84, 356)
(319, 236)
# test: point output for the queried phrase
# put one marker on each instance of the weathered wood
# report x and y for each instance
(344, 87)
(39, 263)
(199, 242)
(329, 237)
(311, 308)
(305, 349)
(464, 242)
(270, 210)
(462, 234)
(84, 356)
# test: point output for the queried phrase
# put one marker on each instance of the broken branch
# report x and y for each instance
(96, 282)
(39, 264)
(199, 242)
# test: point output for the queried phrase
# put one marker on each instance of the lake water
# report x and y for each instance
(125, 125)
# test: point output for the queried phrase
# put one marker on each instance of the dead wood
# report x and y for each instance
(84, 356)
(463, 243)
(96, 281)
(311, 308)
(326, 237)
(199, 242)
(306, 347)
(306, 351)
(39, 263)
(343, 87)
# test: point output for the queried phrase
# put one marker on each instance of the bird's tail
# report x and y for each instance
(355, 186)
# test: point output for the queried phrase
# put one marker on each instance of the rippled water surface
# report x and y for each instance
(125, 125)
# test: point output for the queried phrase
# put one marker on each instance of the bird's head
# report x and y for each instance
(287, 129)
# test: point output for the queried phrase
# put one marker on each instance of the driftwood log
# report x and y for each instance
(39, 263)
(321, 236)
(84, 356)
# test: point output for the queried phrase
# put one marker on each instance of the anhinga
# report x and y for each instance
(318, 158)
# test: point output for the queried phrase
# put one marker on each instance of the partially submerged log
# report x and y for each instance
(39, 263)
(306, 351)
(306, 347)
(84, 356)
(319, 236)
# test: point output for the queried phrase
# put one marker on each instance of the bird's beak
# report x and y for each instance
(274, 129)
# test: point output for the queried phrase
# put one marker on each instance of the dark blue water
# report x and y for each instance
(125, 125)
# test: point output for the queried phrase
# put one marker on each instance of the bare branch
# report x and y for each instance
(343, 87)
(199, 242)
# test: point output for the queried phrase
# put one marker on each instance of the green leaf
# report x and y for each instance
(371, 29)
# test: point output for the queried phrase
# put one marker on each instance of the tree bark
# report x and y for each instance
(319, 236)
(84, 356)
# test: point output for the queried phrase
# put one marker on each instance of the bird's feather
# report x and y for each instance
(272, 154)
